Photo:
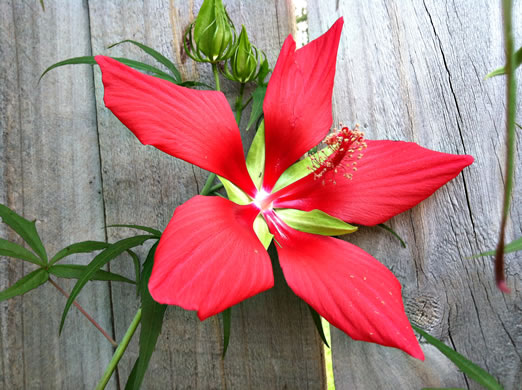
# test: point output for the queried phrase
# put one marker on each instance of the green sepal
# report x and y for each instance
(11, 249)
(262, 232)
(25, 229)
(27, 283)
(315, 221)
(235, 194)
(300, 169)
(255, 160)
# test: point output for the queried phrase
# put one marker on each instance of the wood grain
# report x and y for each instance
(415, 71)
(51, 173)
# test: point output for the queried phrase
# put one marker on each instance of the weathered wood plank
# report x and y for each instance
(50, 172)
(273, 343)
(415, 71)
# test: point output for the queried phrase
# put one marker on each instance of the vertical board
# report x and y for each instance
(273, 343)
(51, 173)
(415, 71)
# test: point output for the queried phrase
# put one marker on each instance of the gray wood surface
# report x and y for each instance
(51, 173)
(414, 70)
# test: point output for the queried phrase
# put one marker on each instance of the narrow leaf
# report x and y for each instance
(8, 248)
(79, 247)
(318, 325)
(258, 96)
(151, 323)
(156, 55)
(89, 60)
(154, 232)
(466, 366)
(389, 229)
(513, 246)
(227, 313)
(25, 229)
(75, 271)
(192, 84)
(99, 261)
(27, 283)
(315, 222)
(137, 268)
(502, 70)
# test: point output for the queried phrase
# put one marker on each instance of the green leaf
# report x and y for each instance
(385, 227)
(151, 323)
(156, 55)
(192, 84)
(137, 269)
(318, 325)
(154, 232)
(502, 70)
(235, 194)
(262, 231)
(89, 60)
(513, 246)
(8, 248)
(99, 261)
(300, 169)
(79, 247)
(75, 271)
(258, 96)
(227, 314)
(467, 367)
(315, 221)
(27, 283)
(255, 160)
(25, 229)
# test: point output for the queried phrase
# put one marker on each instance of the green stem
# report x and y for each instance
(248, 102)
(239, 103)
(216, 76)
(215, 187)
(208, 185)
(510, 139)
(119, 351)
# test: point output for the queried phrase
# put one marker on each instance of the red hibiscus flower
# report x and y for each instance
(210, 257)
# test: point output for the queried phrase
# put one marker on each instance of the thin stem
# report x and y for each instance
(215, 187)
(82, 310)
(208, 185)
(510, 140)
(248, 102)
(120, 351)
(216, 76)
(239, 103)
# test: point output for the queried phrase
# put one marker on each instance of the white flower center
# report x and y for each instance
(260, 200)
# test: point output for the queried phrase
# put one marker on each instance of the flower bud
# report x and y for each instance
(214, 35)
(244, 65)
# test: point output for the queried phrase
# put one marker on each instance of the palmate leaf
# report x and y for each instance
(154, 232)
(79, 247)
(75, 271)
(27, 283)
(8, 248)
(151, 323)
(466, 366)
(156, 55)
(25, 229)
(513, 246)
(112, 251)
(89, 60)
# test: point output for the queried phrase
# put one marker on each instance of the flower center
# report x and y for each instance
(262, 201)
(343, 148)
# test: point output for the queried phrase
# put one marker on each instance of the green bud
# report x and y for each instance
(244, 65)
(214, 35)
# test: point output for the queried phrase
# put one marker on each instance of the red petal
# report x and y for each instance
(298, 102)
(196, 126)
(209, 257)
(347, 286)
(391, 177)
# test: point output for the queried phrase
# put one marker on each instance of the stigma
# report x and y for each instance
(344, 148)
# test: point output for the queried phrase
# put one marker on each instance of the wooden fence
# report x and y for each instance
(411, 70)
